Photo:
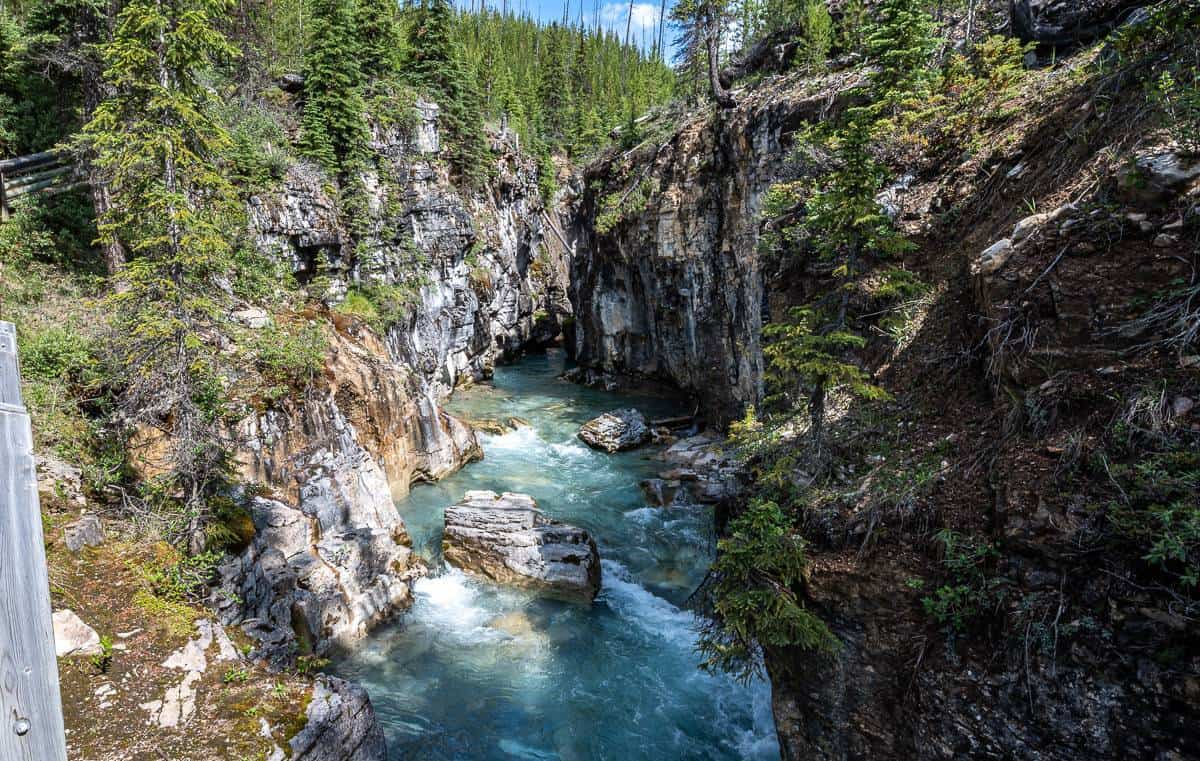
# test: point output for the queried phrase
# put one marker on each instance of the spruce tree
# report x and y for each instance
(381, 45)
(816, 37)
(10, 38)
(436, 66)
(158, 146)
(901, 41)
(333, 127)
(845, 226)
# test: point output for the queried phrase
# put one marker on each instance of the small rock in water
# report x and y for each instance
(616, 431)
(516, 623)
(507, 539)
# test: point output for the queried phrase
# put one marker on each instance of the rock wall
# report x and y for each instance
(673, 290)
(483, 277)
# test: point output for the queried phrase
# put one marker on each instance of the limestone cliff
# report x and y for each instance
(667, 283)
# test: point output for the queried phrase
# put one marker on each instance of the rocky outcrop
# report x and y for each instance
(178, 704)
(1067, 22)
(311, 579)
(88, 531)
(701, 469)
(72, 636)
(667, 283)
(362, 434)
(616, 431)
(484, 275)
(340, 725)
(507, 539)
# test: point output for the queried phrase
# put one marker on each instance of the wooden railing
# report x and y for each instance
(31, 720)
(46, 173)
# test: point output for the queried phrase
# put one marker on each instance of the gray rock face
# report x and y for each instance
(702, 469)
(616, 431)
(312, 578)
(88, 531)
(492, 275)
(673, 289)
(1158, 176)
(1066, 22)
(341, 725)
(507, 539)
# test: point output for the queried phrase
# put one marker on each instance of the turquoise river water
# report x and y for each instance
(479, 671)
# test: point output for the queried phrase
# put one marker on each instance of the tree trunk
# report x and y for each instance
(712, 40)
(114, 252)
(816, 415)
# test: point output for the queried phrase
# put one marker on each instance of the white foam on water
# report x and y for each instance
(645, 515)
(450, 600)
(518, 749)
(520, 439)
(648, 611)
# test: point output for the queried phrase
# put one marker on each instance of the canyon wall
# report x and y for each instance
(667, 280)
(1058, 250)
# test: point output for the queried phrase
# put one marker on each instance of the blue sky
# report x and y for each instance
(613, 15)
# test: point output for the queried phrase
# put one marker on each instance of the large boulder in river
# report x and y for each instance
(616, 431)
(507, 539)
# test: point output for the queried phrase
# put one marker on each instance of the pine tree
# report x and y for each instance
(10, 38)
(845, 226)
(816, 37)
(158, 144)
(700, 23)
(901, 41)
(555, 86)
(436, 65)
(381, 44)
(333, 127)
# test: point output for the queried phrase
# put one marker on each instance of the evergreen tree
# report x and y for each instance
(816, 37)
(845, 225)
(436, 66)
(332, 128)
(851, 26)
(158, 145)
(555, 87)
(901, 41)
(10, 38)
(700, 23)
(381, 45)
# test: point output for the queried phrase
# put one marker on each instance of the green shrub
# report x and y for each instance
(289, 357)
(381, 306)
(1157, 512)
(759, 567)
(60, 354)
(970, 593)
(175, 578)
(1177, 96)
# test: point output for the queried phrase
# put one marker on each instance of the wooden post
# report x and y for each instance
(3, 200)
(31, 721)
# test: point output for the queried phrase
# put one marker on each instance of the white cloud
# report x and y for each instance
(645, 19)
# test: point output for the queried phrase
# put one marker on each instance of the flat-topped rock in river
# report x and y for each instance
(507, 539)
(616, 431)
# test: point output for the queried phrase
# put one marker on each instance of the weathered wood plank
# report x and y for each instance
(21, 163)
(15, 184)
(31, 722)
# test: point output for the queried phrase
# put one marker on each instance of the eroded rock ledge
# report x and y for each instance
(507, 539)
